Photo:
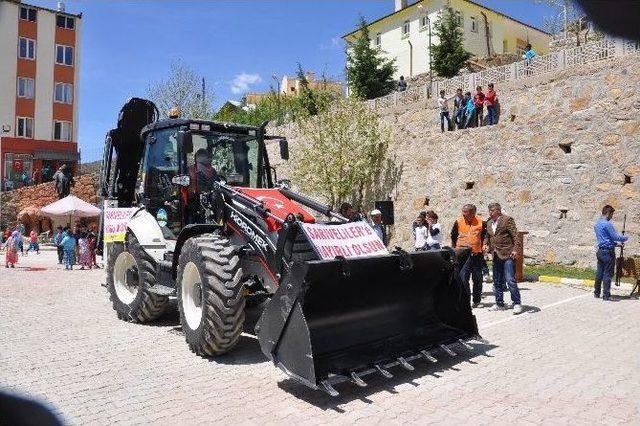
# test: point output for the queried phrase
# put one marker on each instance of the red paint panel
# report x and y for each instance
(26, 67)
(65, 36)
(62, 112)
(28, 29)
(25, 107)
(63, 73)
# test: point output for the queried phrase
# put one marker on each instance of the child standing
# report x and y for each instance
(93, 241)
(33, 242)
(434, 234)
(69, 248)
(420, 233)
(11, 246)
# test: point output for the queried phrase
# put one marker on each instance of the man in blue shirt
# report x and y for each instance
(607, 239)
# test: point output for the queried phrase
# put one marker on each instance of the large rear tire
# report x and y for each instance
(210, 295)
(130, 274)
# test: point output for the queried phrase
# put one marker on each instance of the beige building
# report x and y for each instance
(407, 34)
(39, 92)
(291, 86)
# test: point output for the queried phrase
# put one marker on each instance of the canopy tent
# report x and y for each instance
(71, 206)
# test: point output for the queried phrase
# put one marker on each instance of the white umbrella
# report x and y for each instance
(71, 206)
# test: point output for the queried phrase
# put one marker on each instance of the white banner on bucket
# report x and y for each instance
(354, 239)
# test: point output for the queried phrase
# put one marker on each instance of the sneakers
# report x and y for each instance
(497, 308)
(475, 305)
(597, 296)
(517, 309)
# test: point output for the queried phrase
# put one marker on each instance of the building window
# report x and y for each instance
(64, 54)
(26, 87)
(61, 131)
(63, 93)
(405, 29)
(474, 24)
(28, 14)
(424, 22)
(26, 48)
(65, 22)
(378, 39)
(25, 127)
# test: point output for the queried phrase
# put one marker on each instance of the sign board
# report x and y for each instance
(115, 223)
(354, 239)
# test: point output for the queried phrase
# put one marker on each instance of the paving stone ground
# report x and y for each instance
(569, 359)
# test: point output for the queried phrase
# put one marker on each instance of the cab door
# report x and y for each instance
(160, 196)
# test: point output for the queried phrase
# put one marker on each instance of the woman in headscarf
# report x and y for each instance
(11, 247)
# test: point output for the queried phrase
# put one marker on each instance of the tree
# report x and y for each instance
(567, 18)
(343, 155)
(449, 55)
(369, 75)
(183, 90)
(306, 96)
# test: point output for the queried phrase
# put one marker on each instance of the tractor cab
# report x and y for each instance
(165, 165)
(183, 159)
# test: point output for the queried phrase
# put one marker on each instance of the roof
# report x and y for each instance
(20, 3)
(468, 1)
(220, 126)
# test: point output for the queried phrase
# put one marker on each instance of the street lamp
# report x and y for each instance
(5, 129)
(275, 78)
(428, 22)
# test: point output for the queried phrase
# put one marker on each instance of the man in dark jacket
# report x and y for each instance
(501, 241)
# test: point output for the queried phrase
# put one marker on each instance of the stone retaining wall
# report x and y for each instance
(563, 149)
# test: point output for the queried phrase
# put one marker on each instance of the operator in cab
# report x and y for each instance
(202, 173)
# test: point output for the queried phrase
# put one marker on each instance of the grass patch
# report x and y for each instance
(560, 271)
(555, 270)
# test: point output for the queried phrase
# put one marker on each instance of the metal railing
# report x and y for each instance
(596, 51)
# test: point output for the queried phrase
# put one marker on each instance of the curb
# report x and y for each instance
(561, 280)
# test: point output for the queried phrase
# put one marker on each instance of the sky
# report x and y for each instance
(237, 46)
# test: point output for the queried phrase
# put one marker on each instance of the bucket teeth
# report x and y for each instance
(465, 344)
(447, 350)
(428, 356)
(403, 362)
(384, 372)
(357, 380)
(329, 389)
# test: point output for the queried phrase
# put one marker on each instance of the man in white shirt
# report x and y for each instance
(444, 111)
(378, 227)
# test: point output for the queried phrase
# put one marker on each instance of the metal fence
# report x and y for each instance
(597, 51)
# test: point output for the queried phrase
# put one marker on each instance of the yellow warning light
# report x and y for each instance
(174, 113)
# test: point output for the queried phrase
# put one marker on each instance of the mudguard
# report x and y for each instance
(146, 229)
(342, 317)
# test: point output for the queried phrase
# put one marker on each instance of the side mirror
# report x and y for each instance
(185, 141)
(181, 180)
(284, 149)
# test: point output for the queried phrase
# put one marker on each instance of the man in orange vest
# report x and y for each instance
(469, 231)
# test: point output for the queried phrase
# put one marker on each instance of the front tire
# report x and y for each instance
(130, 274)
(210, 295)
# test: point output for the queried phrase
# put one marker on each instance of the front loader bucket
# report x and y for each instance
(340, 319)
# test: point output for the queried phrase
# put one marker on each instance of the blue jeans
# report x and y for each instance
(491, 115)
(604, 273)
(444, 115)
(504, 271)
(472, 268)
(459, 118)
